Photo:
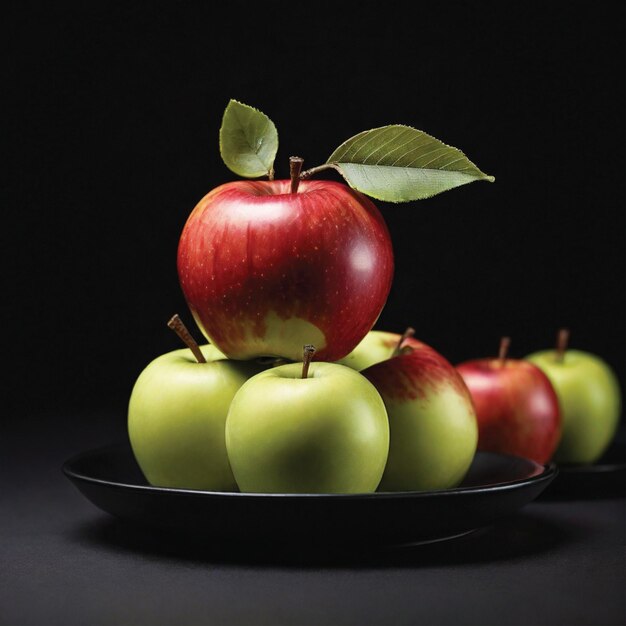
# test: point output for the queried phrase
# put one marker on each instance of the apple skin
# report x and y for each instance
(375, 347)
(516, 407)
(327, 433)
(590, 400)
(177, 415)
(265, 271)
(432, 422)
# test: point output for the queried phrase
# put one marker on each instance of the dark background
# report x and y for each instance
(111, 138)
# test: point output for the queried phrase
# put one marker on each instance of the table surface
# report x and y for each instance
(65, 562)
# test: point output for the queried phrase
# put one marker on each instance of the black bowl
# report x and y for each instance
(495, 486)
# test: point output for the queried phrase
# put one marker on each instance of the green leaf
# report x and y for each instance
(248, 141)
(398, 164)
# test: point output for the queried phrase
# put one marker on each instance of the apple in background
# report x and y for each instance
(265, 270)
(177, 415)
(590, 400)
(516, 406)
(432, 423)
(375, 347)
(295, 429)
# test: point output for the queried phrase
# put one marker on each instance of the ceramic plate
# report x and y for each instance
(495, 486)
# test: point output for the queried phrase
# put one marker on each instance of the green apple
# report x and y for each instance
(432, 422)
(325, 432)
(375, 347)
(590, 400)
(177, 415)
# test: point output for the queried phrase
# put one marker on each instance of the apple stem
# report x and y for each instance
(505, 342)
(319, 168)
(409, 332)
(562, 341)
(177, 325)
(307, 356)
(295, 165)
(270, 174)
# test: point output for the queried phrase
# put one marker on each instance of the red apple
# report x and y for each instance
(432, 424)
(516, 407)
(265, 270)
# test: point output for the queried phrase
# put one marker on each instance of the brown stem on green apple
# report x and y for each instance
(307, 356)
(270, 174)
(319, 168)
(295, 165)
(505, 342)
(562, 341)
(177, 325)
(409, 332)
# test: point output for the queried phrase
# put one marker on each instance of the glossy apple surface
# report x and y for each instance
(516, 407)
(590, 400)
(375, 347)
(177, 415)
(327, 433)
(432, 423)
(265, 271)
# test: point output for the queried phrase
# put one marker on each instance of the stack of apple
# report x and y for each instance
(286, 278)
